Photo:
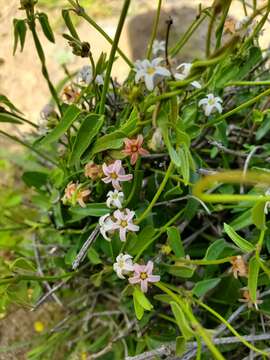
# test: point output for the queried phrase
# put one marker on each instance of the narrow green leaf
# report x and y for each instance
(175, 241)
(215, 249)
(93, 256)
(87, 131)
(181, 321)
(134, 247)
(253, 273)
(202, 287)
(69, 24)
(68, 118)
(258, 215)
(97, 209)
(243, 244)
(19, 33)
(139, 310)
(10, 118)
(142, 299)
(180, 346)
(184, 159)
(46, 27)
(110, 141)
(4, 100)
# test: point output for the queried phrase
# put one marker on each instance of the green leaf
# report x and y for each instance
(93, 256)
(243, 244)
(258, 215)
(35, 178)
(175, 242)
(4, 100)
(242, 220)
(181, 321)
(87, 131)
(215, 249)
(142, 299)
(96, 209)
(10, 118)
(202, 287)
(133, 247)
(253, 273)
(184, 159)
(110, 141)
(139, 310)
(69, 24)
(180, 346)
(46, 27)
(183, 271)
(68, 118)
(71, 255)
(19, 33)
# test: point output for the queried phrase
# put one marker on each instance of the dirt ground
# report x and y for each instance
(22, 82)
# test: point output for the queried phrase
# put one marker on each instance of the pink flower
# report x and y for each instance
(133, 148)
(143, 275)
(115, 173)
(73, 194)
(124, 222)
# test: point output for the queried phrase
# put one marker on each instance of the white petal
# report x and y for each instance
(219, 108)
(196, 84)
(149, 82)
(162, 71)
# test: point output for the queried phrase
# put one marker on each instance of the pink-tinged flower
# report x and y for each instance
(143, 275)
(115, 173)
(133, 148)
(73, 194)
(124, 222)
(93, 171)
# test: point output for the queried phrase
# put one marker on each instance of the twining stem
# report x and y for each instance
(205, 262)
(231, 177)
(82, 13)
(154, 30)
(158, 193)
(193, 27)
(42, 155)
(112, 56)
(247, 83)
(32, 26)
(230, 327)
(195, 323)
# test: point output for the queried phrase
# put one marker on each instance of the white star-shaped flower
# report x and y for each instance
(211, 103)
(115, 199)
(123, 265)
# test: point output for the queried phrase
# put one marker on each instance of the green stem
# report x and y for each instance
(193, 320)
(158, 193)
(205, 262)
(82, 13)
(193, 27)
(14, 138)
(154, 31)
(112, 56)
(165, 95)
(229, 326)
(247, 83)
(41, 55)
(160, 232)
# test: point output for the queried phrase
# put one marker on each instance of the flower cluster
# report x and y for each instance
(142, 274)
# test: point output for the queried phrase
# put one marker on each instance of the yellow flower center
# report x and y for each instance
(123, 223)
(143, 275)
(150, 70)
(134, 148)
(114, 175)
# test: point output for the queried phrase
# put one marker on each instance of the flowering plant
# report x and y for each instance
(146, 240)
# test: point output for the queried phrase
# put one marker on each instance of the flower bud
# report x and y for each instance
(156, 143)
(93, 171)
